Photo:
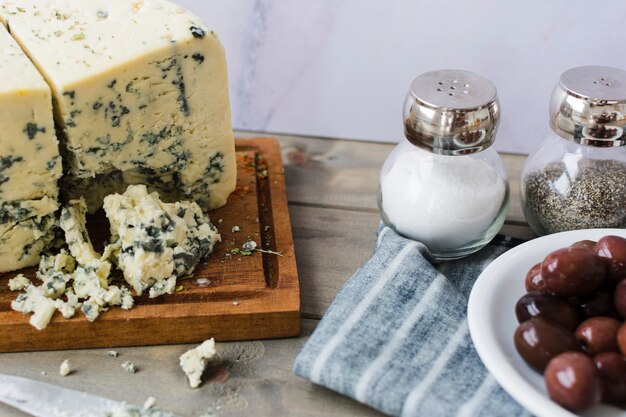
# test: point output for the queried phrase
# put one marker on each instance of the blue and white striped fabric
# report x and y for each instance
(396, 336)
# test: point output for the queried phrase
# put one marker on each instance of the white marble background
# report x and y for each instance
(342, 68)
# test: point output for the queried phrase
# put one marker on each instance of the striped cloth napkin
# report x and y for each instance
(396, 336)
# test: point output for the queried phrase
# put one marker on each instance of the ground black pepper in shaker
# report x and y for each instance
(577, 178)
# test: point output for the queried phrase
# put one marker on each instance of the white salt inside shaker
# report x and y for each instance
(444, 186)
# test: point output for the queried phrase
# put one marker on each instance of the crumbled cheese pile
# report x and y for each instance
(194, 361)
(153, 243)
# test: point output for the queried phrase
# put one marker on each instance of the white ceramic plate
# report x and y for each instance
(492, 322)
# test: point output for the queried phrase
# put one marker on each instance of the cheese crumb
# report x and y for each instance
(249, 246)
(150, 402)
(113, 353)
(193, 362)
(129, 367)
(18, 283)
(65, 368)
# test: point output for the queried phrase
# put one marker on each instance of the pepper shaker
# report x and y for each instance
(577, 178)
(445, 186)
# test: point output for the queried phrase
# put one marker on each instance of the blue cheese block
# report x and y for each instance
(30, 164)
(152, 242)
(141, 95)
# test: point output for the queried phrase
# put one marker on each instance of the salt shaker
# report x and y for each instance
(577, 178)
(444, 186)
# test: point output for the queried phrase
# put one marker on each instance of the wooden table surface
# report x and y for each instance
(331, 187)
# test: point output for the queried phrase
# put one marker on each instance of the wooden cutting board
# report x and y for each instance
(230, 296)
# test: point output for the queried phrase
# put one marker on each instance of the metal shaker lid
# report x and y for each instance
(451, 112)
(588, 106)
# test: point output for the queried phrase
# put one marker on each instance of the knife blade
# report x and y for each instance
(41, 399)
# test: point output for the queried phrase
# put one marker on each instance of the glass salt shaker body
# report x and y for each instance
(577, 178)
(444, 186)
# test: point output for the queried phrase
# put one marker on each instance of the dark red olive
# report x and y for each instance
(587, 244)
(538, 340)
(611, 368)
(599, 303)
(571, 272)
(598, 334)
(619, 298)
(572, 381)
(546, 306)
(621, 338)
(533, 281)
(613, 250)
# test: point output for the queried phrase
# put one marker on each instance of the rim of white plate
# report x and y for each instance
(482, 326)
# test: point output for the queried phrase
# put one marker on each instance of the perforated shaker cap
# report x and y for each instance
(588, 106)
(451, 112)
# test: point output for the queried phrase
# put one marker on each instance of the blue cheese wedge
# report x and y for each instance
(30, 164)
(141, 96)
(154, 242)
(194, 361)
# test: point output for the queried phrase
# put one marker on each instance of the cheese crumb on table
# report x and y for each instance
(113, 353)
(129, 367)
(194, 361)
(65, 368)
(150, 403)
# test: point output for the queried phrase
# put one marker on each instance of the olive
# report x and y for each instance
(587, 244)
(600, 303)
(619, 298)
(571, 272)
(538, 340)
(613, 250)
(547, 306)
(533, 280)
(572, 381)
(598, 334)
(621, 338)
(611, 368)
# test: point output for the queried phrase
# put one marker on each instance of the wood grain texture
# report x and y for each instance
(248, 297)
